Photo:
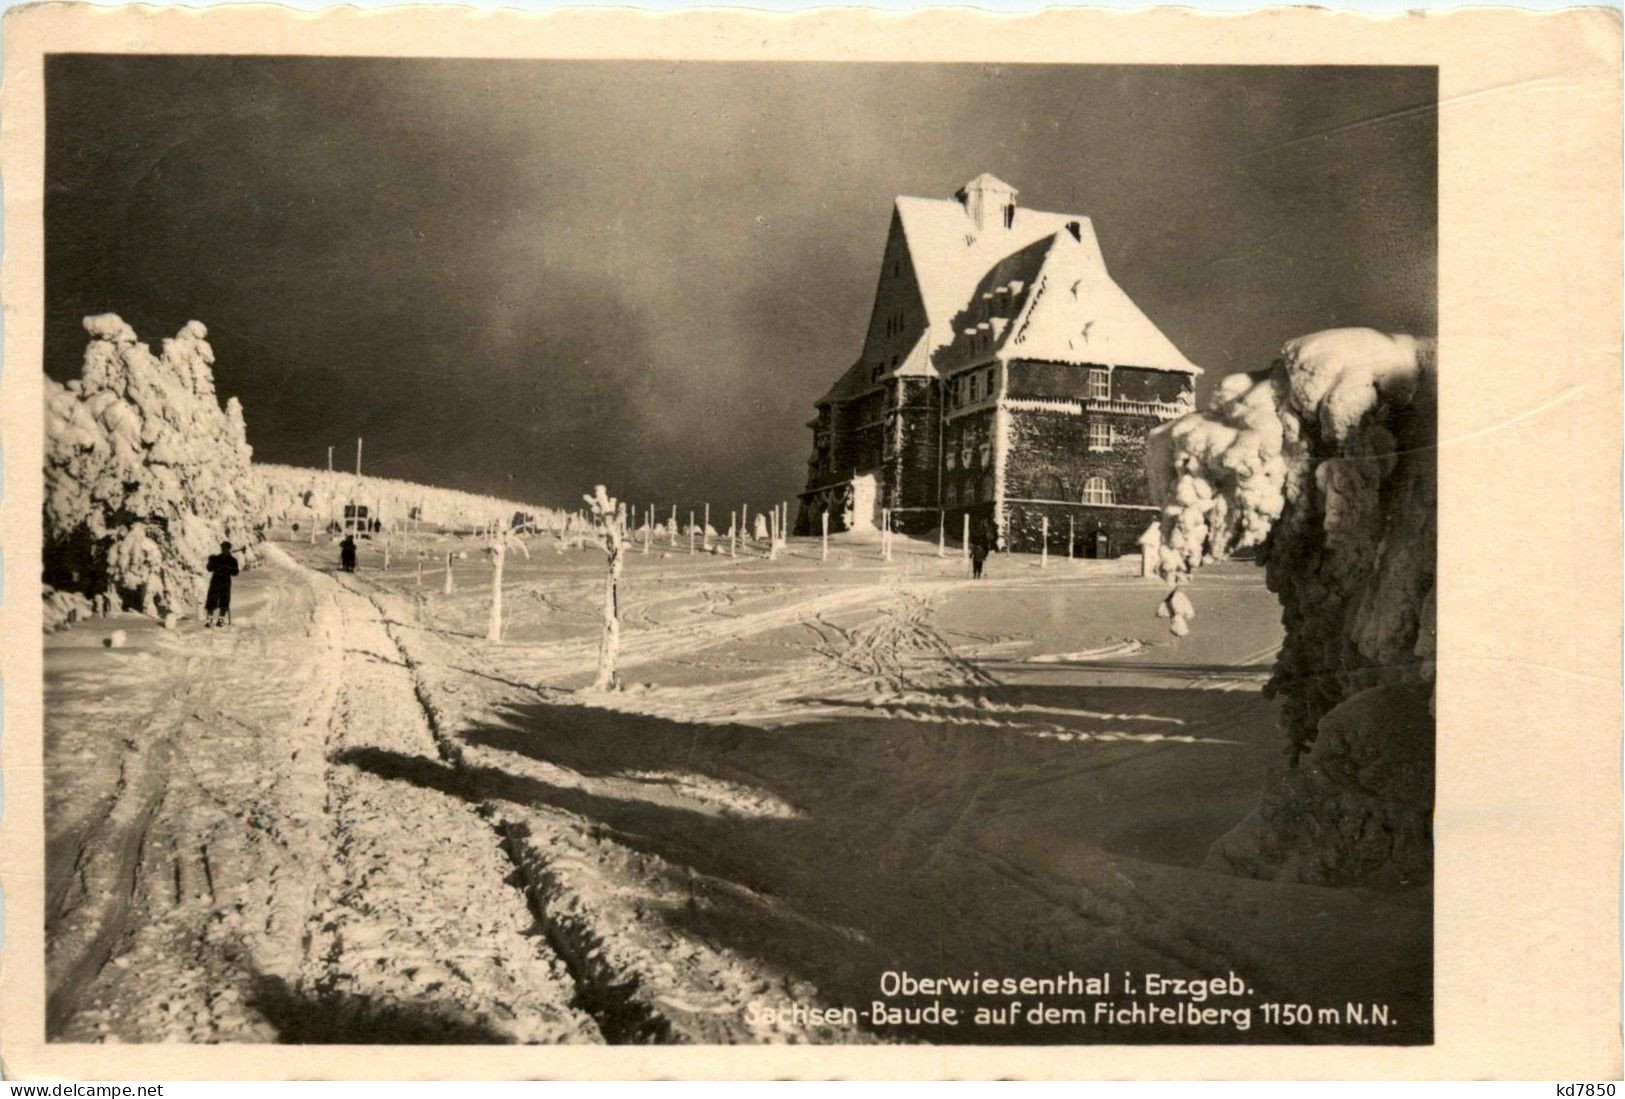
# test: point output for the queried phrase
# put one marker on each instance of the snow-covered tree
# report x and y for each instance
(1327, 463)
(609, 523)
(498, 545)
(145, 473)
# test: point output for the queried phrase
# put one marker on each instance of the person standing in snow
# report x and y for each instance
(347, 554)
(978, 554)
(217, 605)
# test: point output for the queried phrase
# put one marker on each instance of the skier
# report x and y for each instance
(347, 554)
(217, 606)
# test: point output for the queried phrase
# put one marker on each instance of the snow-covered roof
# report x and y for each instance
(950, 255)
(987, 181)
(1075, 313)
(1040, 287)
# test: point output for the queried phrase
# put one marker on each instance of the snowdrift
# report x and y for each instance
(1326, 462)
(294, 495)
(145, 473)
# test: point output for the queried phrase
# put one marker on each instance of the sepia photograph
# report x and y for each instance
(629, 552)
(758, 551)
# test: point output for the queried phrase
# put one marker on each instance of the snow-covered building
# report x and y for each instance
(1004, 376)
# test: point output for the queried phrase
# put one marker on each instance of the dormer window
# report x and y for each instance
(1100, 386)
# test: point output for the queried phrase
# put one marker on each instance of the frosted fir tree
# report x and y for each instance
(1327, 465)
(145, 473)
(608, 518)
(498, 545)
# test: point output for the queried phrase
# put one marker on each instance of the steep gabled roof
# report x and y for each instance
(950, 256)
(1075, 313)
(1037, 289)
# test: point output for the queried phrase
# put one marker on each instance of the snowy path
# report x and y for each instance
(350, 818)
(416, 934)
(817, 775)
(242, 880)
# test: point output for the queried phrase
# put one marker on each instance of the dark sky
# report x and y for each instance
(527, 277)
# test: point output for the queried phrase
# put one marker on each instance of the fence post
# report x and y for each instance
(705, 529)
(733, 534)
(674, 526)
(824, 517)
(965, 538)
(1071, 535)
(1043, 546)
(691, 534)
(942, 533)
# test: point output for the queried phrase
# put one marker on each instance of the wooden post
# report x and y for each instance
(885, 534)
(358, 456)
(450, 583)
(1071, 535)
(705, 529)
(493, 622)
(674, 526)
(965, 538)
(648, 527)
(744, 521)
(330, 459)
(824, 518)
(733, 534)
(942, 533)
(773, 535)
(386, 553)
(1043, 547)
(691, 534)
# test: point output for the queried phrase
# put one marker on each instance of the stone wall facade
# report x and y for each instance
(1074, 450)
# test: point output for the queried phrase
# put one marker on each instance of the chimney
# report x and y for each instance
(989, 202)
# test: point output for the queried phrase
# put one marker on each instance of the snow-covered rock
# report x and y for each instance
(1327, 464)
(145, 473)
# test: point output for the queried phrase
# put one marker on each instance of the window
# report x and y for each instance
(1100, 435)
(952, 460)
(953, 495)
(1100, 388)
(1097, 491)
(989, 385)
(975, 389)
(1009, 215)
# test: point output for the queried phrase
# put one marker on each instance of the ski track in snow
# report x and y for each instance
(243, 886)
(426, 846)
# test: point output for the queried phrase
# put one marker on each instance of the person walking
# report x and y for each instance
(217, 605)
(347, 554)
(978, 554)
